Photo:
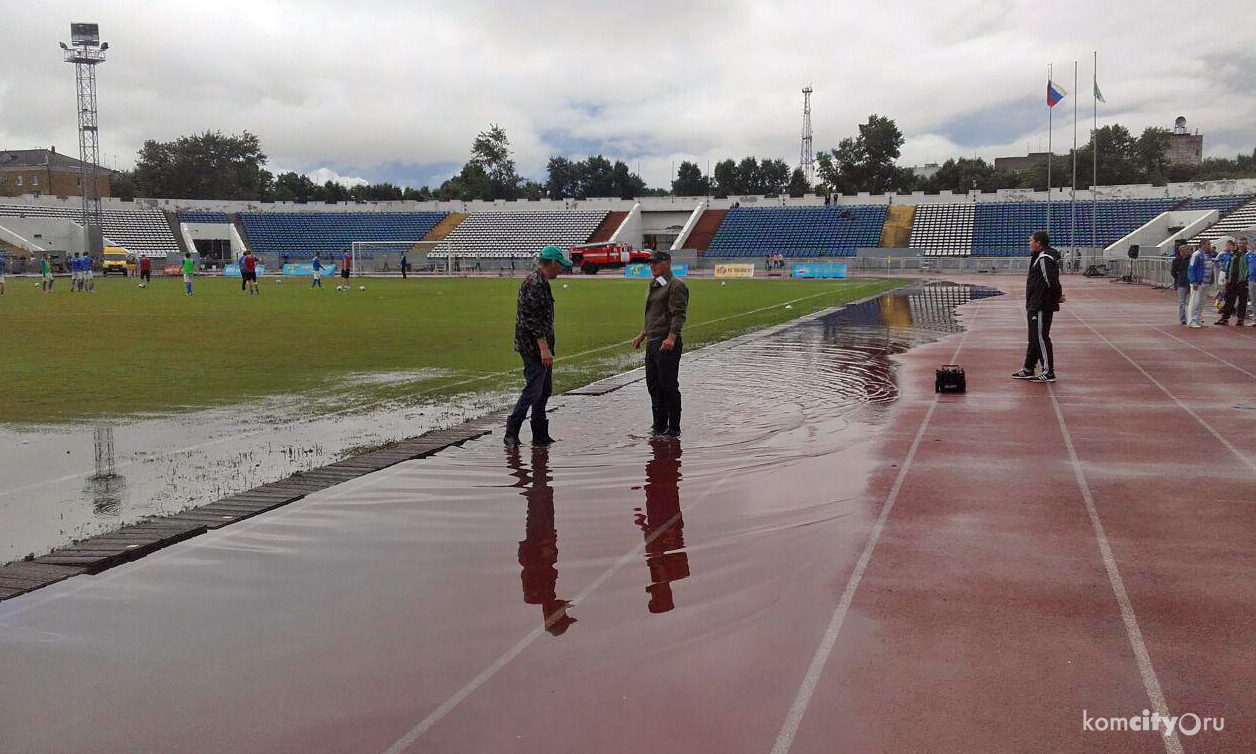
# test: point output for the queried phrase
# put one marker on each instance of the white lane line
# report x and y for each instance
(1205, 352)
(371, 404)
(789, 728)
(484, 676)
(1220, 438)
(1132, 631)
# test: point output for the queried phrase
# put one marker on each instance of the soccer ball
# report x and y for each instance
(277, 280)
(789, 306)
(142, 285)
(723, 283)
(361, 287)
(564, 285)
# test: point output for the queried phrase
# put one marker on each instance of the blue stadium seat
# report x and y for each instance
(299, 235)
(834, 231)
(1003, 228)
(201, 216)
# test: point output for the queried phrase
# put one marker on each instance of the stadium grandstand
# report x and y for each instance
(960, 225)
(798, 231)
(1000, 229)
(519, 234)
(1240, 219)
(202, 216)
(146, 232)
(302, 234)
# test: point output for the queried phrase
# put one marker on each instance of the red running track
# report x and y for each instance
(956, 574)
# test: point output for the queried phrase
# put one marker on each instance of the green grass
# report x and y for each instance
(70, 356)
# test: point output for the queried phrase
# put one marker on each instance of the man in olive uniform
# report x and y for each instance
(534, 340)
(666, 306)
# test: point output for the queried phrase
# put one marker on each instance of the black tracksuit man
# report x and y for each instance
(1042, 301)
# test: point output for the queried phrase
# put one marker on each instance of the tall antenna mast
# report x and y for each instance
(86, 51)
(807, 156)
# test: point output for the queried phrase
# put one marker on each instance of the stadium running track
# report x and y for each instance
(832, 559)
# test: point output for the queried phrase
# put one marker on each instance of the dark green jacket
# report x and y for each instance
(666, 308)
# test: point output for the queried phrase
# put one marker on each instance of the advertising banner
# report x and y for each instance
(734, 270)
(306, 269)
(819, 271)
(679, 269)
(233, 270)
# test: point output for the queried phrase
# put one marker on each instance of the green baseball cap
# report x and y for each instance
(553, 253)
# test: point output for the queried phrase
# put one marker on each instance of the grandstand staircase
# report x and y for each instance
(238, 225)
(173, 221)
(444, 227)
(608, 227)
(896, 232)
(705, 229)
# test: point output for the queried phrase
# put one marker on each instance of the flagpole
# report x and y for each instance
(1050, 154)
(1072, 231)
(1094, 153)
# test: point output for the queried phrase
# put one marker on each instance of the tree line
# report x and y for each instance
(212, 165)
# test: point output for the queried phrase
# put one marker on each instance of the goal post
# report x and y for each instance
(360, 249)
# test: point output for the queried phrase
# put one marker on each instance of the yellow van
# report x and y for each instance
(117, 260)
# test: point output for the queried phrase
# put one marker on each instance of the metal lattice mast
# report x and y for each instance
(86, 52)
(807, 157)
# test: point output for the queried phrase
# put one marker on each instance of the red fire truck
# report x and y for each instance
(591, 257)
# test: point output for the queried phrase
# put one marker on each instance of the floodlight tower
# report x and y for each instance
(86, 51)
(807, 158)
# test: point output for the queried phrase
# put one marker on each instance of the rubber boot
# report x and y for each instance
(540, 432)
(511, 438)
(660, 421)
(673, 424)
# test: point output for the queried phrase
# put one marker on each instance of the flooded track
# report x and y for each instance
(611, 593)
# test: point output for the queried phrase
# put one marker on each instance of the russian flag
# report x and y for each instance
(1055, 93)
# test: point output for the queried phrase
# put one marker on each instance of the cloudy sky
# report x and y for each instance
(382, 90)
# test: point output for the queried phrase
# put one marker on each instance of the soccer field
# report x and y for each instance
(125, 350)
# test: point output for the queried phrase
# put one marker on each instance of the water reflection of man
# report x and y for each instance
(662, 524)
(538, 552)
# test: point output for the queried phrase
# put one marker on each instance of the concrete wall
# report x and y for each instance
(629, 230)
(1155, 238)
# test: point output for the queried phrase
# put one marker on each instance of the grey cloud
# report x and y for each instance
(373, 85)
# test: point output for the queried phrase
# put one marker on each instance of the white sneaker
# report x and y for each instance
(1195, 325)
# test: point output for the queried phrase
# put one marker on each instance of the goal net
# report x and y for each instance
(375, 251)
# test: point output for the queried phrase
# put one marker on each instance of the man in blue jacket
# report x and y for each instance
(1196, 276)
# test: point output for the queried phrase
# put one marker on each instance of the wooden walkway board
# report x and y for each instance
(97, 554)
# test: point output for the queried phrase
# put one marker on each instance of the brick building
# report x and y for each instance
(45, 171)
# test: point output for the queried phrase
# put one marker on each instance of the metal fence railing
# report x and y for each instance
(1155, 272)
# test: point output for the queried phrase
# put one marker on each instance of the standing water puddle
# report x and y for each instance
(610, 592)
(64, 483)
